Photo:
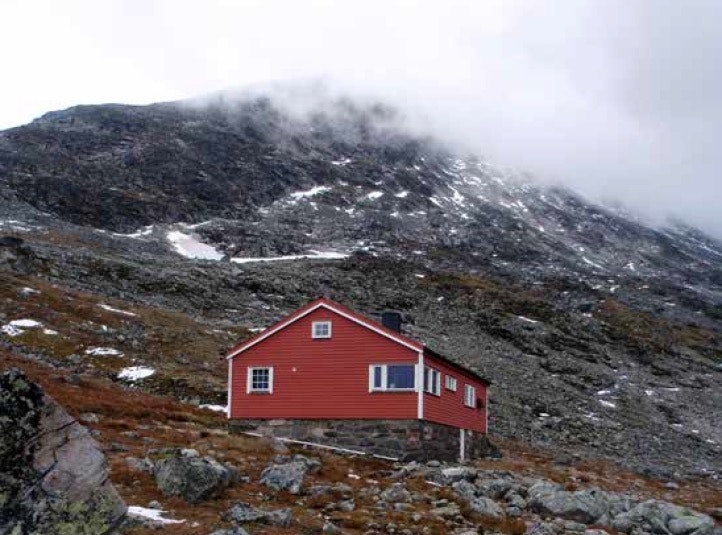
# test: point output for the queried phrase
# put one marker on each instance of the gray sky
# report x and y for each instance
(616, 98)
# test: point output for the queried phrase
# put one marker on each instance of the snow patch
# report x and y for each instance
(135, 373)
(216, 408)
(145, 231)
(312, 255)
(608, 403)
(401, 194)
(28, 324)
(103, 351)
(529, 320)
(374, 195)
(116, 310)
(50, 332)
(342, 162)
(156, 515)
(316, 190)
(17, 327)
(29, 291)
(186, 245)
(594, 264)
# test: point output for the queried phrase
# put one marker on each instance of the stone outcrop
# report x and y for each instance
(288, 473)
(53, 475)
(193, 478)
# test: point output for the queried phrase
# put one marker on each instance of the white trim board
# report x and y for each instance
(282, 325)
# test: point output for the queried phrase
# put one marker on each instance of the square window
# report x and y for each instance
(321, 329)
(400, 377)
(451, 383)
(260, 380)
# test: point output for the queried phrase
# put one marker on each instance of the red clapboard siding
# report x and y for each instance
(449, 408)
(322, 378)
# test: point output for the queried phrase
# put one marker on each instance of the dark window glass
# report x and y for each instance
(377, 377)
(400, 376)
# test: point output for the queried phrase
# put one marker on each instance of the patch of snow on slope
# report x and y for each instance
(608, 403)
(374, 195)
(116, 310)
(216, 408)
(28, 324)
(401, 194)
(594, 264)
(29, 291)
(186, 245)
(342, 162)
(50, 332)
(145, 231)
(135, 373)
(312, 255)
(297, 195)
(103, 351)
(529, 320)
(17, 327)
(155, 515)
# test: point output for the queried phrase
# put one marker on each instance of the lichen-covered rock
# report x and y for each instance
(586, 506)
(656, 516)
(287, 476)
(193, 478)
(53, 476)
(486, 507)
(243, 513)
(396, 493)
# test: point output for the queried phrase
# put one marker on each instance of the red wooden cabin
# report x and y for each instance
(327, 366)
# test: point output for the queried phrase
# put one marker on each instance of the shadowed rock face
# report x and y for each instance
(53, 476)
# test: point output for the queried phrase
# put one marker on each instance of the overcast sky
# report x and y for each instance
(616, 98)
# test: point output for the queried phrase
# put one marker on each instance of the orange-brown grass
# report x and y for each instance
(187, 354)
(653, 333)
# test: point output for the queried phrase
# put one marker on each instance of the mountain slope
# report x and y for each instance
(595, 328)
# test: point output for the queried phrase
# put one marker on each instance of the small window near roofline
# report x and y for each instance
(451, 383)
(321, 329)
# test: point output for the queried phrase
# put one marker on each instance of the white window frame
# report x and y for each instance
(432, 386)
(249, 380)
(451, 383)
(470, 396)
(384, 377)
(315, 324)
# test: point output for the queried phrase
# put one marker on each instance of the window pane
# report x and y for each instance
(400, 376)
(260, 379)
(377, 377)
(322, 329)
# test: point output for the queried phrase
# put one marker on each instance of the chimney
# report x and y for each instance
(391, 320)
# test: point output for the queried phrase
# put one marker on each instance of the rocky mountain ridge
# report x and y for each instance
(595, 328)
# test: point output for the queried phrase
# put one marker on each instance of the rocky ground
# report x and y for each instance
(179, 471)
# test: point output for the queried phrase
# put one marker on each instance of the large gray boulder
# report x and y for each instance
(288, 473)
(585, 506)
(656, 516)
(193, 478)
(53, 475)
